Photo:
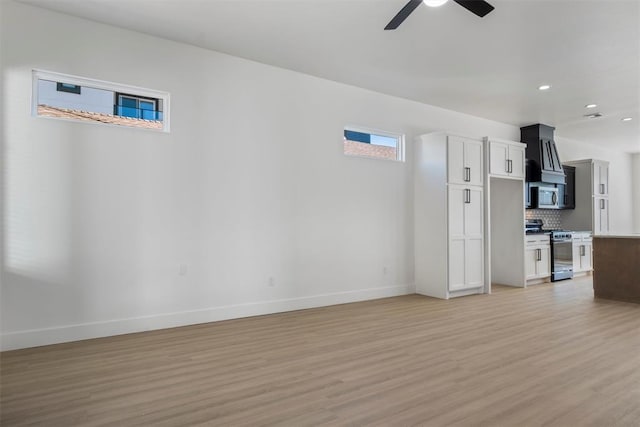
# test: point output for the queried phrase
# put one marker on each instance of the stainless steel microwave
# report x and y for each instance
(544, 197)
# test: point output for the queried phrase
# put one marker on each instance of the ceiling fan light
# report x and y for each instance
(434, 3)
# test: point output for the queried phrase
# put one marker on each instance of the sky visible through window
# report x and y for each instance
(370, 138)
(387, 141)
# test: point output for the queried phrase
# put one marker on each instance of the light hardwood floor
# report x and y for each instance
(546, 355)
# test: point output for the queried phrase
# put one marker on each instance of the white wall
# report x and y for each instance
(251, 183)
(636, 192)
(621, 196)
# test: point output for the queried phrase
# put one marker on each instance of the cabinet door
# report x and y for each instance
(473, 161)
(456, 172)
(466, 242)
(516, 158)
(577, 259)
(474, 262)
(530, 261)
(456, 264)
(569, 198)
(544, 264)
(473, 208)
(600, 179)
(600, 215)
(456, 210)
(586, 260)
(604, 217)
(499, 156)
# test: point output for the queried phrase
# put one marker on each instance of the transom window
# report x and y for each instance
(372, 143)
(67, 97)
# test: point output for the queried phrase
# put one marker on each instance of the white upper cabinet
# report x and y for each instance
(517, 159)
(506, 158)
(600, 178)
(464, 161)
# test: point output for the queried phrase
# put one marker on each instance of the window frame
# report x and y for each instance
(399, 137)
(163, 97)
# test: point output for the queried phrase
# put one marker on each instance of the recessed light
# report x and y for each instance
(593, 116)
(627, 119)
(544, 87)
(591, 106)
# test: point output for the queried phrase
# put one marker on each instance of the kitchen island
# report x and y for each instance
(616, 269)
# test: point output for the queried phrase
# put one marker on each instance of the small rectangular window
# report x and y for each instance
(374, 144)
(68, 97)
(66, 87)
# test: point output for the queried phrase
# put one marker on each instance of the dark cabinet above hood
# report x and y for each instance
(543, 162)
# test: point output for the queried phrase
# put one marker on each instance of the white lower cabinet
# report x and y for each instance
(582, 253)
(466, 260)
(537, 257)
(600, 215)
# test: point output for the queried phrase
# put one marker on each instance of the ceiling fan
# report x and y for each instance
(479, 7)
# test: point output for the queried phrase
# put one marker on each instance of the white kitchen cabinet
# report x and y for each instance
(600, 215)
(465, 237)
(582, 253)
(449, 216)
(506, 158)
(538, 258)
(592, 197)
(464, 161)
(600, 178)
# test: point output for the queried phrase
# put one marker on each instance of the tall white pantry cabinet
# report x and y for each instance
(448, 216)
(592, 197)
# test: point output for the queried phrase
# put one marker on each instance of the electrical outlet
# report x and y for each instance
(385, 270)
(272, 282)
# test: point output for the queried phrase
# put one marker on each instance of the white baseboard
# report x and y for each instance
(60, 334)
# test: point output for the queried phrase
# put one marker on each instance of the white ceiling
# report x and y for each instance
(589, 51)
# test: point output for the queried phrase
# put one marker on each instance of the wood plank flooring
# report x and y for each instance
(546, 355)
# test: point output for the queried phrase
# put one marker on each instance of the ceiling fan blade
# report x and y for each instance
(479, 7)
(403, 14)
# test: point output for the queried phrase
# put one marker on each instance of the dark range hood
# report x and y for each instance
(543, 162)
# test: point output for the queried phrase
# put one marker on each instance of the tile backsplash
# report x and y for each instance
(550, 217)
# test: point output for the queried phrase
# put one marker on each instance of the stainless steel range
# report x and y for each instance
(561, 249)
(561, 255)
